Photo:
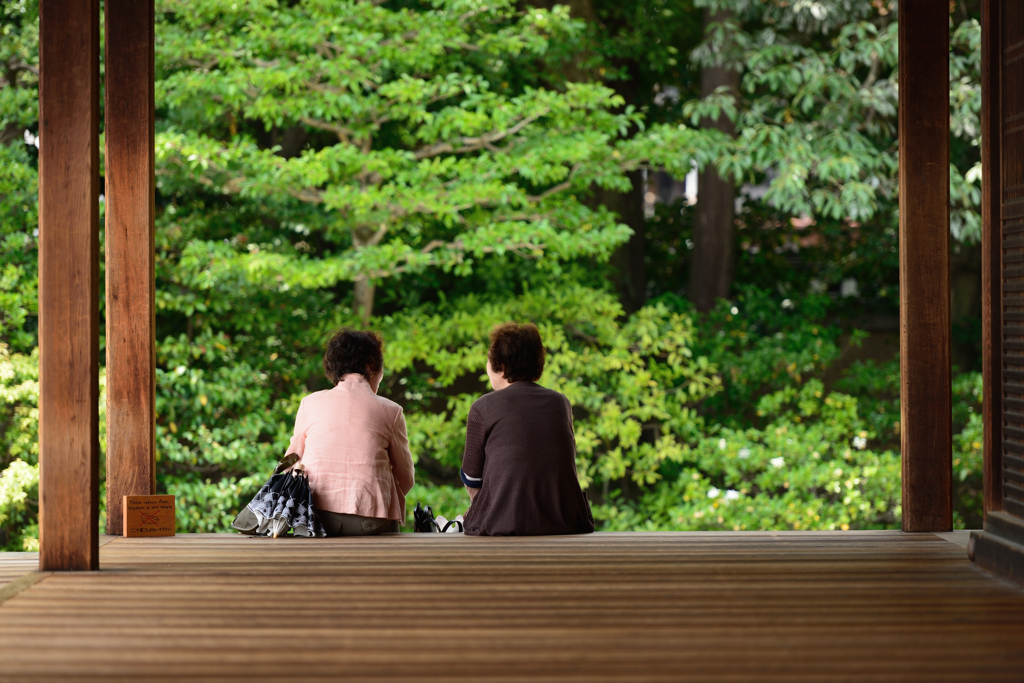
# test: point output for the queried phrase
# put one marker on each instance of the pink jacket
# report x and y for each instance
(354, 447)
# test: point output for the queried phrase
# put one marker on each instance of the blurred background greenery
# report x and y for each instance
(695, 200)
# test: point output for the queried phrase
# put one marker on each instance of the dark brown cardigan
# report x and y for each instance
(521, 454)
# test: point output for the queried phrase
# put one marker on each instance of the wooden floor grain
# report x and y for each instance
(607, 607)
(14, 565)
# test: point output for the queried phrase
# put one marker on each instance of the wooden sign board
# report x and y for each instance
(149, 515)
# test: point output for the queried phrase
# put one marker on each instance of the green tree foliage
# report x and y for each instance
(817, 106)
(620, 377)
(19, 389)
(428, 157)
(802, 471)
(19, 105)
(435, 167)
(19, 482)
(816, 141)
(429, 167)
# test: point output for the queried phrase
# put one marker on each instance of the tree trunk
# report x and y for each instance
(364, 290)
(712, 260)
(631, 274)
(11, 134)
(630, 278)
(573, 71)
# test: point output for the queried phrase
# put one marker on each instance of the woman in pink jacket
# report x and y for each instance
(353, 444)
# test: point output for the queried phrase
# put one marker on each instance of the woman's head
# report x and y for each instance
(356, 351)
(516, 353)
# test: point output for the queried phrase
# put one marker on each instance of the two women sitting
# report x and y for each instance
(519, 465)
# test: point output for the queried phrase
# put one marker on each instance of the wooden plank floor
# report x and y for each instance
(13, 565)
(607, 607)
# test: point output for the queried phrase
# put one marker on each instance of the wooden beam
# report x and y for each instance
(991, 260)
(68, 284)
(130, 234)
(926, 430)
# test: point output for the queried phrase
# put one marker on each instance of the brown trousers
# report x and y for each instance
(340, 524)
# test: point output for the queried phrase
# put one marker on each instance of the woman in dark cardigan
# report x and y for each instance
(519, 465)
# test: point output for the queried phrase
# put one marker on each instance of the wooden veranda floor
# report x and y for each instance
(607, 607)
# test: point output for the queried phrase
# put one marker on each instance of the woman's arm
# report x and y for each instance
(401, 458)
(297, 446)
(572, 430)
(472, 471)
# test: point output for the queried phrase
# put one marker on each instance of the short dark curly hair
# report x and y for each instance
(353, 351)
(517, 351)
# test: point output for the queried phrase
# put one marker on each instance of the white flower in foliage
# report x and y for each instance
(778, 462)
(860, 443)
(713, 492)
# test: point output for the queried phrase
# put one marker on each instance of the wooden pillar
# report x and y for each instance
(926, 430)
(131, 349)
(68, 284)
(999, 548)
(991, 260)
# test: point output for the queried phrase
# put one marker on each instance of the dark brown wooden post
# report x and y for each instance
(69, 191)
(991, 260)
(999, 548)
(925, 334)
(131, 462)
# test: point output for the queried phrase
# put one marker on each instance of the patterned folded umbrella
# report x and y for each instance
(284, 502)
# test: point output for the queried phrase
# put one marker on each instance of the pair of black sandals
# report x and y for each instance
(425, 522)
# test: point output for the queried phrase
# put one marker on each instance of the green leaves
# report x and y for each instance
(820, 123)
(626, 381)
(418, 160)
(439, 154)
(809, 468)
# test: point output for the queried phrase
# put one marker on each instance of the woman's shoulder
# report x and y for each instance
(314, 398)
(490, 398)
(389, 407)
(544, 391)
(368, 405)
(386, 402)
(515, 393)
(363, 396)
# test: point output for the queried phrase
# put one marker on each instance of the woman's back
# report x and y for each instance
(520, 445)
(355, 450)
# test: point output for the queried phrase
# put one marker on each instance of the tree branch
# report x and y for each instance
(307, 195)
(473, 144)
(876, 67)
(342, 132)
(560, 187)
(459, 246)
